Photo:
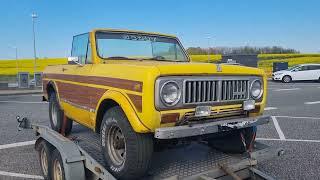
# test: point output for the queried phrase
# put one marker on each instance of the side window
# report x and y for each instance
(314, 67)
(304, 68)
(80, 47)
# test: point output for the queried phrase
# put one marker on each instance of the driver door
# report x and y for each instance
(78, 107)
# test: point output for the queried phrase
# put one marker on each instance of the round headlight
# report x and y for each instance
(170, 93)
(256, 89)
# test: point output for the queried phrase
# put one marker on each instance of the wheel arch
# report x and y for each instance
(114, 98)
(51, 88)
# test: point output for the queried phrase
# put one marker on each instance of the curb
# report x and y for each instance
(20, 93)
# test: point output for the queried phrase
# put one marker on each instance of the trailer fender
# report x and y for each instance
(73, 161)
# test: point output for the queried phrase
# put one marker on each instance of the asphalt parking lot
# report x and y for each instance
(295, 108)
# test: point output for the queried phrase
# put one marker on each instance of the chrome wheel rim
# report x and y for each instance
(57, 170)
(54, 114)
(286, 79)
(44, 161)
(116, 145)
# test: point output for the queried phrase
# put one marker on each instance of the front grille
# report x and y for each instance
(200, 91)
(234, 90)
(208, 91)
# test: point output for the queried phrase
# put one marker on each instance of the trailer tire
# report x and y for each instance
(57, 168)
(44, 151)
(56, 116)
(127, 154)
(231, 141)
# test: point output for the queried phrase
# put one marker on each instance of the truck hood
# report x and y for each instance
(192, 68)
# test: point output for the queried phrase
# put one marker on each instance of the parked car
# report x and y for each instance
(300, 72)
(32, 83)
(140, 91)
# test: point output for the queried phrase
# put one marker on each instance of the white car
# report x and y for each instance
(300, 72)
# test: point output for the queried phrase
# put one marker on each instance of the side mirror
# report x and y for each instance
(74, 60)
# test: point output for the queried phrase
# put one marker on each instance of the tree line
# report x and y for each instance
(241, 50)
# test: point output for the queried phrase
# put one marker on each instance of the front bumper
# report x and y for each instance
(209, 128)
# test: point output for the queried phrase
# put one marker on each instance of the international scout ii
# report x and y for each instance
(140, 90)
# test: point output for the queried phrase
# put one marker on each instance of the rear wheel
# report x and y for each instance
(232, 141)
(56, 116)
(286, 79)
(126, 153)
(57, 170)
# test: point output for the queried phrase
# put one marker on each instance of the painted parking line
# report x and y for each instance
(288, 140)
(270, 108)
(18, 144)
(314, 102)
(24, 102)
(277, 126)
(24, 176)
(291, 89)
(295, 117)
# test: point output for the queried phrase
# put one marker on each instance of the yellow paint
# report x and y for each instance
(146, 72)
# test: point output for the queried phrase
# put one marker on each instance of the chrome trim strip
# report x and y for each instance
(78, 106)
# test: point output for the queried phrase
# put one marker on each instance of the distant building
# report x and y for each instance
(243, 59)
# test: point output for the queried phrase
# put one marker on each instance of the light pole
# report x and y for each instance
(209, 38)
(34, 16)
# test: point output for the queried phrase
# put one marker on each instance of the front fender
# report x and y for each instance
(127, 107)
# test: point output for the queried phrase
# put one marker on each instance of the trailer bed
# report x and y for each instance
(181, 162)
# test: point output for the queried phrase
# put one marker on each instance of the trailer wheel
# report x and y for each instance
(57, 169)
(56, 116)
(231, 141)
(44, 152)
(127, 154)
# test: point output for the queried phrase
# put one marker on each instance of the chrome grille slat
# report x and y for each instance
(209, 91)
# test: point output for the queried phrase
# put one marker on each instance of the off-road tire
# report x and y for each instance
(44, 153)
(231, 141)
(286, 79)
(138, 147)
(55, 110)
(56, 160)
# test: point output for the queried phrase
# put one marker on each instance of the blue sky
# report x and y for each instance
(288, 23)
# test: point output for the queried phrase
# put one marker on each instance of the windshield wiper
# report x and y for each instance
(160, 59)
(120, 58)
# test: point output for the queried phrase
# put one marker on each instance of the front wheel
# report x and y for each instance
(44, 151)
(286, 79)
(234, 141)
(57, 169)
(127, 154)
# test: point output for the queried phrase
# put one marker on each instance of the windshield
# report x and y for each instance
(293, 67)
(138, 46)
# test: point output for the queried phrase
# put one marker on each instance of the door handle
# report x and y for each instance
(64, 69)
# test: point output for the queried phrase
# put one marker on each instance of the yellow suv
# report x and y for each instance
(140, 90)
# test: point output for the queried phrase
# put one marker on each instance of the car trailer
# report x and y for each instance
(78, 157)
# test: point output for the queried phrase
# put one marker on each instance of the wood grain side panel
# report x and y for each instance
(80, 95)
(137, 101)
(105, 81)
(169, 118)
